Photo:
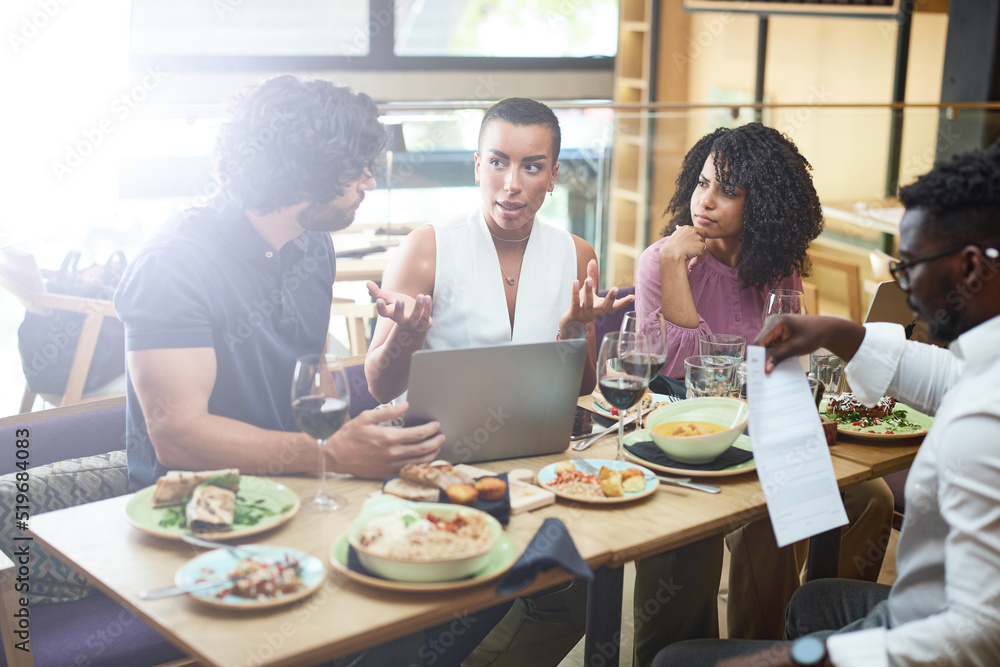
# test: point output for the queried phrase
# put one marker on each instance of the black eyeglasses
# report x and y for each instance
(899, 270)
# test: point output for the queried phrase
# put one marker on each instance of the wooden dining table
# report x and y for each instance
(345, 616)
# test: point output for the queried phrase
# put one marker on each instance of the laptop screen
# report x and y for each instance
(889, 305)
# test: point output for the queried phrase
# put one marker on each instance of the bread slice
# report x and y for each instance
(176, 485)
(410, 490)
(211, 509)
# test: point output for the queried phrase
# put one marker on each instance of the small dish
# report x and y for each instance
(548, 473)
(221, 563)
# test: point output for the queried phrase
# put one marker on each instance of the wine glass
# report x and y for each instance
(320, 398)
(784, 301)
(623, 371)
(654, 328)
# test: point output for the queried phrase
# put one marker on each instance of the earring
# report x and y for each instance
(477, 181)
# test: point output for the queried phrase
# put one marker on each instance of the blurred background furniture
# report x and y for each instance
(359, 319)
(20, 275)
(77, 456)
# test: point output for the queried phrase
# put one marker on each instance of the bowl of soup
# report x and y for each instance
(698, 430)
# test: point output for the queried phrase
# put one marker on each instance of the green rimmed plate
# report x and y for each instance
(278, 499)
(742, 442)
(879, 432)
(504, 555)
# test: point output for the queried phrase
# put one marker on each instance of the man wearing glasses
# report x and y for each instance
(944, 608)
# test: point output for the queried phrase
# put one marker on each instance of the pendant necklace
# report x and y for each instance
(510, 278)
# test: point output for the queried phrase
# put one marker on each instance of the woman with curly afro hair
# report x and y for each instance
(743, 214)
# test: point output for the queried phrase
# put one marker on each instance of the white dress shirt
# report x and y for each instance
(944, 608)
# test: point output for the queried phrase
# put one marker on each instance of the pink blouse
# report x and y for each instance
(723, 306)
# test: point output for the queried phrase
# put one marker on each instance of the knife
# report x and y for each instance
(157, 593)
(580, 446)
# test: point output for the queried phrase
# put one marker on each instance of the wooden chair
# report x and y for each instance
(20, 275)
(852, 280)
(359, 317)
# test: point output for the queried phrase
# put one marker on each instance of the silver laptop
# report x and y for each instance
(889, 305)
(499, 402)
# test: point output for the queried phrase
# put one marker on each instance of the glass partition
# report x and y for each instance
(165, 166)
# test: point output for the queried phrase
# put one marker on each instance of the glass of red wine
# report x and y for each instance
(320, 398)
(654, 352)
(623, 373)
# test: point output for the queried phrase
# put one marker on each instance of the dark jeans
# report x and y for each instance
(821, 607)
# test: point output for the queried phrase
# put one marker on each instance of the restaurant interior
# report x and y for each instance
(123, 100)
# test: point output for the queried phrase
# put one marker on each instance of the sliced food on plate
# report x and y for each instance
(176, 486)
(211, 508)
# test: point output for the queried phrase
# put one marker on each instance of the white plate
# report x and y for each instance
(221, 563)
(548, 473)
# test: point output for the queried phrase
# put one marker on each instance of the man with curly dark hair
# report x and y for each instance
(944, 608)
(222, 300)
(743, 214)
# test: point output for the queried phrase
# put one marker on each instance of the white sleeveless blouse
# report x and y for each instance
(469, 306)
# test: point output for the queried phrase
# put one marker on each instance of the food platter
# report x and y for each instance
(221, 562)
(548, 473)
(656, 401)
(276, 501)
(742, 442)
(878, 432)
(503, 557)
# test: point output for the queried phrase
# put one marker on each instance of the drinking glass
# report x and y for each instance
(784, 301)
(709, 375)
(654, 328)
(623, 372)
(320, 398)
(725, 345)
(828, 369)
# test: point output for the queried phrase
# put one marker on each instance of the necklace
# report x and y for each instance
(510, 278)
(500, 238)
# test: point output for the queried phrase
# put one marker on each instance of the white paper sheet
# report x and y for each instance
(789, 448)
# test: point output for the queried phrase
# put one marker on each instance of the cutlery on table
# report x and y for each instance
(169, 591)
(248, 550)
(580, 446)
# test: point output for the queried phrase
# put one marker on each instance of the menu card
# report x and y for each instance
(789, 448)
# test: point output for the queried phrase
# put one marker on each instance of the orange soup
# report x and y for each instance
(684, 429)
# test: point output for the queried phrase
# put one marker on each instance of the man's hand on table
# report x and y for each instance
(364, 449)
(787, 336)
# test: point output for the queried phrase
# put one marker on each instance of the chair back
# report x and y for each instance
(20, 275)
(84, 429)
(613, 321)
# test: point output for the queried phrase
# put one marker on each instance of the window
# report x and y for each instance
(507, 28)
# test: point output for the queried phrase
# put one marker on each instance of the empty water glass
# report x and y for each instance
(726, 345)
(709, 375)
(828, 368)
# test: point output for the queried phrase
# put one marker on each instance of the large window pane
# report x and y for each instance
(507, 28)
(250, 27)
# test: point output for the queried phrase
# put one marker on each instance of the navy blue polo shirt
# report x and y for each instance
(208, 279)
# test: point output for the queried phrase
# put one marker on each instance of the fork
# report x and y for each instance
(677, 481)
(248, 550)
